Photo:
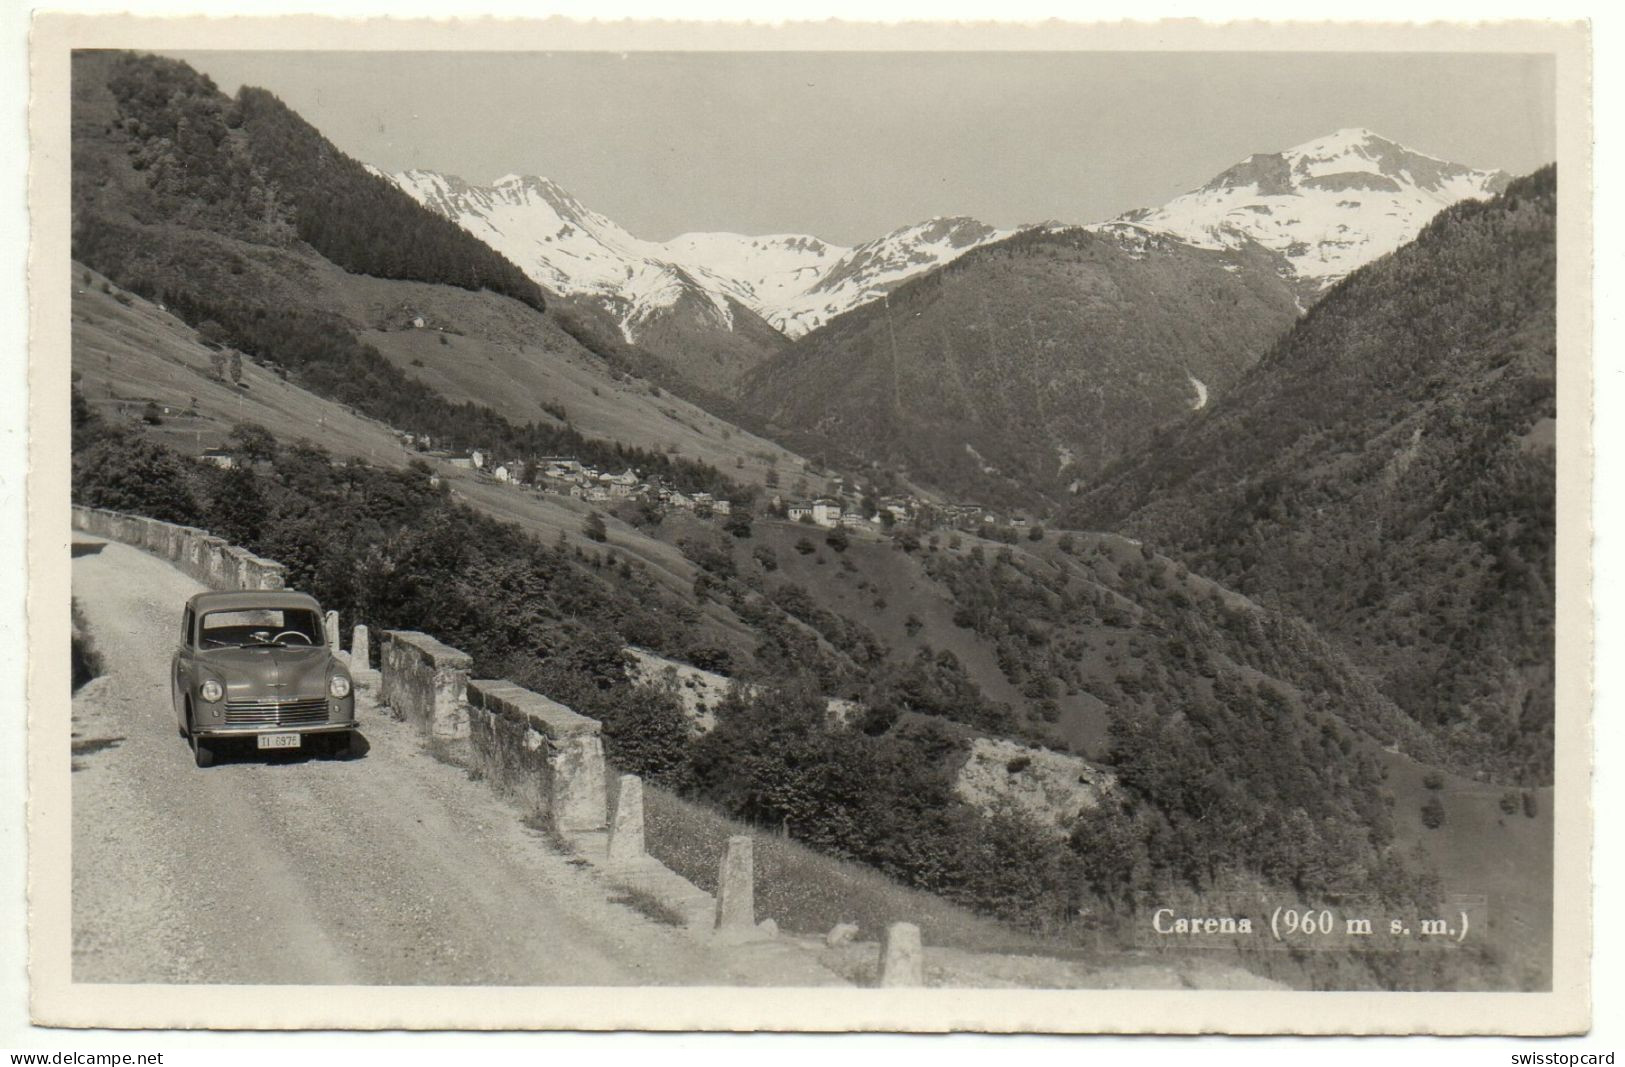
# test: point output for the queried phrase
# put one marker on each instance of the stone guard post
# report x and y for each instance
(626, 825)
(736, 887)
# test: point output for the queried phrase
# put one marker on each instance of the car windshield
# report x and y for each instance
(294, 627)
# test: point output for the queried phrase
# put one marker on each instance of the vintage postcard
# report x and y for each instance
(1053, 528)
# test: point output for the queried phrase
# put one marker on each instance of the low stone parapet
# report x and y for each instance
(540, 751)
(425, 682)
(200, 554)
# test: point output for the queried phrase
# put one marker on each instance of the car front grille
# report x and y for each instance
(312, 712)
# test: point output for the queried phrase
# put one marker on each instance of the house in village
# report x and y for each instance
(479, 456)
(620, 485)
(220, 458)
(826, 512)
(460, 460)
(505, 474)
(722, 507)
(798, 511)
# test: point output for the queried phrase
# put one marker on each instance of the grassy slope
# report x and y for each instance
(495, 351)
(135, 351)
(1481, 850)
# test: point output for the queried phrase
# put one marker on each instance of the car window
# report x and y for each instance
(258, 626)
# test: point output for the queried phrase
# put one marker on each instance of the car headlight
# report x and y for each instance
(338, 686)
(211, 690)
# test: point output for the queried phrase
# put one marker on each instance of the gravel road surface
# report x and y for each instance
(390, 868)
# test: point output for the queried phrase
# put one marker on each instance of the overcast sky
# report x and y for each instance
(847, 146)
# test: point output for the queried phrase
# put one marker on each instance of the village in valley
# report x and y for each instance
(847, 504)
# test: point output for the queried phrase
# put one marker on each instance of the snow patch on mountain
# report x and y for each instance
(873, 269)
(1328, 206)
(794, 281)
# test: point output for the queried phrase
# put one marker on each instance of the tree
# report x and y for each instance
(646, 732)
(1433, 813)
(254, 442)
(593, 527)
(237, 511)
(837, 540)
(138, 476)
(738, 521)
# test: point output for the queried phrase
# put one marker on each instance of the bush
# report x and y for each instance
(1433, 780)
(593, 527)
(646, 732)
(1433, 813)
(137, 476)
(806, 547)
(1530, 807)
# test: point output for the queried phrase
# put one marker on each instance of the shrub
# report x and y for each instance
(806, 547)
(1433, 813)
(593, 527)
(1433, 780)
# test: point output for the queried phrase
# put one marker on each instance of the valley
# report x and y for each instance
(1055, 572)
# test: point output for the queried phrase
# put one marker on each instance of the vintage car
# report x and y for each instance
(253, 668)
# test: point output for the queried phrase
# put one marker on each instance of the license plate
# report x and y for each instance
(279, 740)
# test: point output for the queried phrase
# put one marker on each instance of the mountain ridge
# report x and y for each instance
(793, 281)
(1327, 206)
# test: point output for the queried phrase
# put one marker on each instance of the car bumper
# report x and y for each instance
(222, 732)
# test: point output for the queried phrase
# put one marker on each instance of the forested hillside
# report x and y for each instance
(1030, 363)
(202, 203)
(1387, 472)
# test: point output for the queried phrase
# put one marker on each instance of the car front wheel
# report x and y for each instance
(202, 751)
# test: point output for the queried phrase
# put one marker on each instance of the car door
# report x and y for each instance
(181, 668)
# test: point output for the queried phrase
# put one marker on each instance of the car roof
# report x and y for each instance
(247, 599)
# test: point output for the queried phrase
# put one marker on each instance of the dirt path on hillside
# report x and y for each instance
(391, 868)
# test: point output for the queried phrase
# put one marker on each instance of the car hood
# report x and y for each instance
(270, 672)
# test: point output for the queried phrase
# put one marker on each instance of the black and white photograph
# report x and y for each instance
(899, 530)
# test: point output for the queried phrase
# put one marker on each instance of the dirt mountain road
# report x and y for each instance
(391, 868)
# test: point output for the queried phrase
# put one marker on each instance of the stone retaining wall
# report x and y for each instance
(425, 682)
(209, 559)
(538, 750)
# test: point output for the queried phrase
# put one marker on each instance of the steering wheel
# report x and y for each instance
(293, 633)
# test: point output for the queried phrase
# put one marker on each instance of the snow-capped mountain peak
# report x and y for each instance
(794, 281)
(1327, 206)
